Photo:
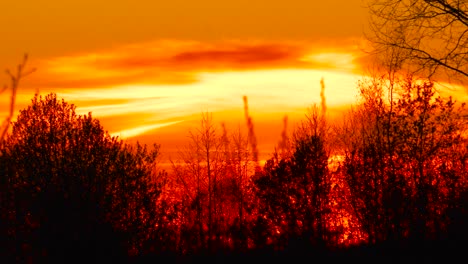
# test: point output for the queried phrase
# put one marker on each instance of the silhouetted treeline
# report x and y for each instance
(389, 178)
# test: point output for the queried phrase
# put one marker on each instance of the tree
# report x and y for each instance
(396, 144)
(429, 36)
(212, 178)
(199, 174)
(70, 189)
(294, 191)
(240, 167)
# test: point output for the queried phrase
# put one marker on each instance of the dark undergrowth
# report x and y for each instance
(422, 252)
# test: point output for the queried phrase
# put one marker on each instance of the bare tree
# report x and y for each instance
(399, 138)
(429, 37)
(201, 173)
(21, 72)
(240, 168)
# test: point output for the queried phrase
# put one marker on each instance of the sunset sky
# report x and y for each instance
(148, 68)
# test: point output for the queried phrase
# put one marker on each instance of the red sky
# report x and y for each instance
(148, 69)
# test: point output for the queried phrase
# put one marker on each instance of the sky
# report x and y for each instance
(147, 69)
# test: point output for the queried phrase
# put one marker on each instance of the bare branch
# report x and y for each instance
(429, 36)
(14, 84)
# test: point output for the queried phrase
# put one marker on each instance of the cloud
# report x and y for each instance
(180, 62)
(202, 56)
(241, 57)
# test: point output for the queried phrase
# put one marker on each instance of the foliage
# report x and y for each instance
(68, 187)
(213, 174)
(395, 158)
(294, 192)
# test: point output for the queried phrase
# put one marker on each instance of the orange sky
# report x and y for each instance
(147, 69)
(56, 27)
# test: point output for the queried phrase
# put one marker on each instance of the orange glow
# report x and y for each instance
(338, 61)
(138, 89)
(139, 130)
(177, 62)
(149, 70)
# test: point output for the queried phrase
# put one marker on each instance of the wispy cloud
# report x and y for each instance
(179, 62)
(140, 87)
(128, 133)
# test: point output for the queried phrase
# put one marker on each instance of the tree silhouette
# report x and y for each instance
(213, 174)
(70, 190)
(294, 192)
(429, 36)
(399, 139)
(240, 167)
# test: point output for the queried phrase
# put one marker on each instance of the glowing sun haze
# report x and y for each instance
(138, 88)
